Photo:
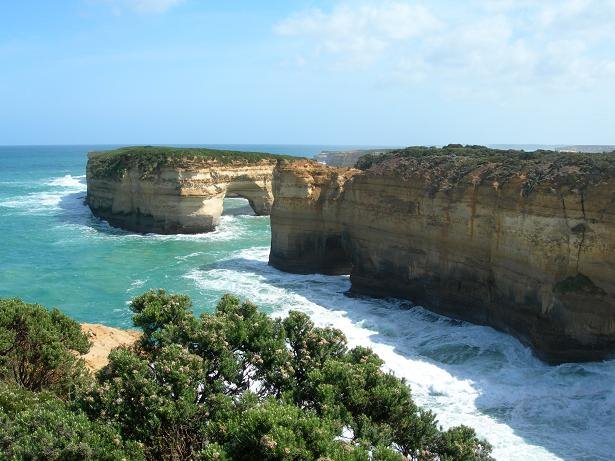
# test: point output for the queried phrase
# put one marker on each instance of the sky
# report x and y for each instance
(361, 72)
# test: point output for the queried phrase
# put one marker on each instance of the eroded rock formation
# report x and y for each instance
(523, 243)
(170, 191)
(306, 229)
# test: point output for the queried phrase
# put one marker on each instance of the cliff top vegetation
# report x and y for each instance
(148, 159)
(443, 168)
(234, 384)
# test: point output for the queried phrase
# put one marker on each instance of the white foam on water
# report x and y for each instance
(188, 256)
(136, 284)
(230, 228)
(466, 374)
(70, 181)
(49, 199)
(36, 201)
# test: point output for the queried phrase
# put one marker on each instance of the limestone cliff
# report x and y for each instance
(524, 243)
(306, 230)
(169, 191)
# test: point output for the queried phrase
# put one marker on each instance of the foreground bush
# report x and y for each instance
(43, 427)
(38, 348)
(238, 385)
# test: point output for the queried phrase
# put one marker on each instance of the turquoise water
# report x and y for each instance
(53, 251)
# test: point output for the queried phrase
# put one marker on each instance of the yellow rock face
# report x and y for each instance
(306, 229)
(539, 265)
(178, 200)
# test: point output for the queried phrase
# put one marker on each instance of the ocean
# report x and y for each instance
(54, 252)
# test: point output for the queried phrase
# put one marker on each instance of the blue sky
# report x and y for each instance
(374, 72)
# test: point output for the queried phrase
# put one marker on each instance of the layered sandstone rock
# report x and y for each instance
(174, 192)
(306, 230)
(524, 244)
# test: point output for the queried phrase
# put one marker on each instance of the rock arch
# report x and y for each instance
(258, 193)
(179, 200)
(259, 196)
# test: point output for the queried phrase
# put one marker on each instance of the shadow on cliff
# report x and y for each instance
(552, 407)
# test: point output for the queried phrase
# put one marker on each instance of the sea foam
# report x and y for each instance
(466, 374)
(68, 181)
(54, 190)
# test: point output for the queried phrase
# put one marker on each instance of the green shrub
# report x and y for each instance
(42, 427)
(444, 168)
(149, 159)
(234, 384)
(38, 348)
(237, 384)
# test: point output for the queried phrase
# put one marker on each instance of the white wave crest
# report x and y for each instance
(35, 202)
(49, 199)
(70, 181)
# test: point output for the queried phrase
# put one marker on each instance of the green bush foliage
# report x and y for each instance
(39, 426)
(148, 159)
(234, 384)
(38, 348)
(444, 168)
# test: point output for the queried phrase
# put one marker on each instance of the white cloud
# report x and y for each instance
(141, 6)
(476, 45)
(360, 34)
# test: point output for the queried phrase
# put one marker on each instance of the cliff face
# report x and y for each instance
(526, 247)
(306, 230)
(171, 195)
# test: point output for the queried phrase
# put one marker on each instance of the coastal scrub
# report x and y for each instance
(234, 384)
(112, 164)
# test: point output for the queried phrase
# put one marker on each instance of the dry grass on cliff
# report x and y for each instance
(149, 159)
(447, 167)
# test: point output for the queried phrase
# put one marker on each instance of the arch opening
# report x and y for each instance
(236, 205)
(230, 199)
(259, 196)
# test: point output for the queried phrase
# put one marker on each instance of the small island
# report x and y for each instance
(169, 190)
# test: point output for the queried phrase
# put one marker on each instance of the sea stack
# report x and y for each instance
(167, 190)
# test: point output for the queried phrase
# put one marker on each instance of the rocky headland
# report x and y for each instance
(523, 242)
(168, 190)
